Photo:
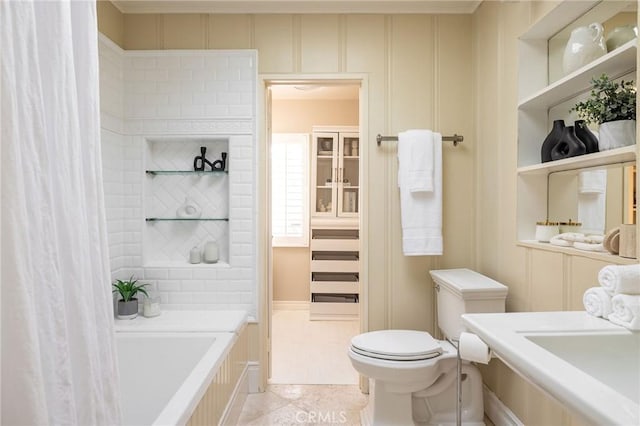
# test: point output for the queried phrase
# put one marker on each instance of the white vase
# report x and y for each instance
(621, 35)
(210, 254)
(616, 134)
(584, 45)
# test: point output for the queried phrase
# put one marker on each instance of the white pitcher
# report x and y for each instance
(585, 45)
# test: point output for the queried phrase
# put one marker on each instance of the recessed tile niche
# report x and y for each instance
(169, 180)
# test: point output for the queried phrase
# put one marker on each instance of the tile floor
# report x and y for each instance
(311, 352)
(326, 394)
(304, 404)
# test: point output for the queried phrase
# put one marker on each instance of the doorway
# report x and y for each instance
(304, 349)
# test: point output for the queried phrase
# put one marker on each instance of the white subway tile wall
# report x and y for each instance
(152, 100)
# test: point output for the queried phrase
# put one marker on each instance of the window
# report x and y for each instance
(290, 189)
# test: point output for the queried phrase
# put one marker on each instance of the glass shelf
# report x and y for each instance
(186, 172)
(187, 219)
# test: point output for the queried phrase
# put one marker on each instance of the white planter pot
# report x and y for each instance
(616, 134)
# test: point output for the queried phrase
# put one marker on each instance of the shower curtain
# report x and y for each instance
(58, 351)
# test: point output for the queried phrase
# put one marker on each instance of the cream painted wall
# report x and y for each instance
(429, 87)
(537, 280)
(291, 269)
(110, 21)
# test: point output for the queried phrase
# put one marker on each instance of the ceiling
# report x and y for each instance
(297, 6)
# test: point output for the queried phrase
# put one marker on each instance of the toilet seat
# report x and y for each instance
(397, 345)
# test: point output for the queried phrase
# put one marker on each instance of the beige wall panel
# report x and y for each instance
(184, 31)
(254, 349)
(543, 410)
(110, 21)
(546, 281)
(274, 41)
(454, 88)
(541, 8)
(366, 51)
(365, 43)
(486, 22)
(512, 390)
(411, 105)
(583, 275)
(296, 116)
(291, 273)
(516, 279)
(320, 43)
(141, 32)
(230, 31)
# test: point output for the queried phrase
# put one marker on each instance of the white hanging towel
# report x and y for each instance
(420, 183)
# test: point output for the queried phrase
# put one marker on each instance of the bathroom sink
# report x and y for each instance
(610, 358)
(588, 364)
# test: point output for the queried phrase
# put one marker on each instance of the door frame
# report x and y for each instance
(264, 249)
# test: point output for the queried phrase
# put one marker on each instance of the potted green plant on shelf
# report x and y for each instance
(612, 106)
(128, 303)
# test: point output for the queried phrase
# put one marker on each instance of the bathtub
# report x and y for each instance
(184, 367)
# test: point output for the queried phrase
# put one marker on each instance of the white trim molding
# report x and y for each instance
(497, 411)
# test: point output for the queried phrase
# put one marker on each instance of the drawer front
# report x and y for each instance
(334, 287)
(335, 266)
(335, 245)
(334, 308)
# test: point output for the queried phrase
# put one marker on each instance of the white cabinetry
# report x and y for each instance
(335, 273)
(335, 169)
(542, 101)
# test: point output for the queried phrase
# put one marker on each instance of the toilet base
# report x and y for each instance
(424, 408)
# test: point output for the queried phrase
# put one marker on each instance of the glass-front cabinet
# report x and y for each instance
(335, 172)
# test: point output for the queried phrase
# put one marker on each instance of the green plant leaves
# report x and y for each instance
(129, 288)
(608, 101)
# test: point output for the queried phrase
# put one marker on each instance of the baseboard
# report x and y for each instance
(253, 374)
(236, 401)
(497, 412)
(290, 305)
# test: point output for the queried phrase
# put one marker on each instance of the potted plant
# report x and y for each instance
(612, 105)
(128, 303)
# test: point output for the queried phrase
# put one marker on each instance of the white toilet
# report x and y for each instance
(414, 375)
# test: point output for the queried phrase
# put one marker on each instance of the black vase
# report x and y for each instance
(586, 136)
(568, 146)
(551, 140)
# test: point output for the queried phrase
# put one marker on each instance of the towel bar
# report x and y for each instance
(456, 139)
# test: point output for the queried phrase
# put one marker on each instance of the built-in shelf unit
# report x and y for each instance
(334, 224)
(542, 101)
(170, 179)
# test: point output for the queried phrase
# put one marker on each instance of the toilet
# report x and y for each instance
(413, 374)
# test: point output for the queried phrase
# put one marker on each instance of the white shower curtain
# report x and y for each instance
(58, 351)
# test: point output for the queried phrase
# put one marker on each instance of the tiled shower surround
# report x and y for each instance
(158, 108)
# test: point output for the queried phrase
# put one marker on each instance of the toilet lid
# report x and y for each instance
(397, 345)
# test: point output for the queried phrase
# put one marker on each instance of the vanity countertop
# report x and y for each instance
(589, 364)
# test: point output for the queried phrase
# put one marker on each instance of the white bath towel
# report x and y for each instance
(591, 212)
(616, 279)
(592, 182)
(416, 157)
(625, 311)
(597, 302)
(421, 212)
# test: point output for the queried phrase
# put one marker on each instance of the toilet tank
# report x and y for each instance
(463, 291)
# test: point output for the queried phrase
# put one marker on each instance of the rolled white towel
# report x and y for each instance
(597, 302)
(618, 279)
(625, 311)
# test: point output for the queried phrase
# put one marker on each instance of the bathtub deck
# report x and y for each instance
(168, 320)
